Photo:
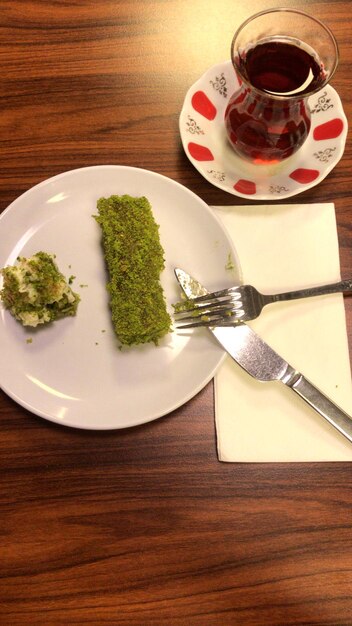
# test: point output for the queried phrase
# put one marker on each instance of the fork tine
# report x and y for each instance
(211, 305)
(192, 305)
(216, 318)
(218, 308)
(208, 316)
(231, 292)
(190, 308)
(203, 309)
(214, 322)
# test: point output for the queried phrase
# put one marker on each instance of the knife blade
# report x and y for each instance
(259, 360)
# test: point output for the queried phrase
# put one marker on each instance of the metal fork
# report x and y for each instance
(240, 304)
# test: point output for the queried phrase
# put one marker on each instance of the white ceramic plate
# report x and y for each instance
(205, 142)
(73, 372)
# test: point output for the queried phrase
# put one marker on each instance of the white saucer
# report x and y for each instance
(205, 142)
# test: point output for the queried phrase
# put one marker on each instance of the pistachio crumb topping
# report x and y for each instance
(135, 259)
(230, 265)
(184, 305)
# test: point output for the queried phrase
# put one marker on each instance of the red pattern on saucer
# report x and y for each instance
(203, 105)
(246, 187)
(205, 142)
(303, 175)
(329, 130)
(200, 153)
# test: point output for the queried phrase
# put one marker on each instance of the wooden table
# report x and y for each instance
(145, 526)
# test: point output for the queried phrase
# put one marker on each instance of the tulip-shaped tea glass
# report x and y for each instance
(281, 57)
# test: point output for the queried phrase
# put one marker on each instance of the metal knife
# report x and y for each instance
(260, 361)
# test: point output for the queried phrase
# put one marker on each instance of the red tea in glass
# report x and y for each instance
(268, 118)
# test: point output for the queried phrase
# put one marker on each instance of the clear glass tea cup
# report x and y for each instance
(281, 57)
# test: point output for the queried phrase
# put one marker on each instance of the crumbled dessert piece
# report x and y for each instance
(35, 292)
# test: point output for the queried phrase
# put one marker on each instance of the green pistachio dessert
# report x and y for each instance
(35, 292)
(135, 259)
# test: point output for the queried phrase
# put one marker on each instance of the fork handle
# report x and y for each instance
(342, 286)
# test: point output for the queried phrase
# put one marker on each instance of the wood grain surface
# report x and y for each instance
(144, 526)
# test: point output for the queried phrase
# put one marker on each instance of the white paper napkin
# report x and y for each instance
(285, 247)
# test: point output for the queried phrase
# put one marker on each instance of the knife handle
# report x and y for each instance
(323, 405)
